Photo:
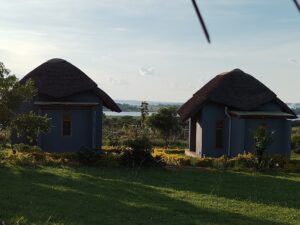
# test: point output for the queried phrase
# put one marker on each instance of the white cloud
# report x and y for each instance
(294, 61)
(146, 71)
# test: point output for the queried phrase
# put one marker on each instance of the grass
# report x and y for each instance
(92, 196)
(295, 156)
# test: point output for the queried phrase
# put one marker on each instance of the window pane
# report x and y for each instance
(66, 126)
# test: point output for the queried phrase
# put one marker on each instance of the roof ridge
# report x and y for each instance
(57, 78)
(235, 89)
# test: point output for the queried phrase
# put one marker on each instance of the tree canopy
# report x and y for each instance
(12, 96)
(166, 122)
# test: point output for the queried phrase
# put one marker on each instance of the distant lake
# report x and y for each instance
(110, 113)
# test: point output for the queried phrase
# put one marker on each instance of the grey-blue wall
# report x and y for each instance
(241, 132)
(281, 138)
(86, 123)
(211, 113)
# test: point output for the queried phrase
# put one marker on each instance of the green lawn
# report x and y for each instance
(92, 196)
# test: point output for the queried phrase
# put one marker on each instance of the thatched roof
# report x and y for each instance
(235, 89)
(58, 78)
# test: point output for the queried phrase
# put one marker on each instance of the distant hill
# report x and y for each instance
(293, 105)
(138, 102)
(134, 105)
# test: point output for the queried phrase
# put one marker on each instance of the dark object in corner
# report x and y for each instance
(297, 5)
(201, 21)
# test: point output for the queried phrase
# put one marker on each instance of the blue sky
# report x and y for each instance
(155, 49)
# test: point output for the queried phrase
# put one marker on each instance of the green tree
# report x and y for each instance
(262, 138)
(30, 126)
(166, 122)
(12, 95)
(144, 113)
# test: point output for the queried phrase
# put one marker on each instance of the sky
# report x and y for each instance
(155, 49)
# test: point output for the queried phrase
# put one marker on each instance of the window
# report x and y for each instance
(219, 134)
(66, 126)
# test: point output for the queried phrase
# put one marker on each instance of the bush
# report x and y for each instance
(292, 166)
(204, 162)
(113, 139)
(21, 147)
(219, 163)
(295, 142)
(108, 160)
(4, 138)
(171, 157)
(138, 154)
(88, 156)
(275, 162)
(242, 161)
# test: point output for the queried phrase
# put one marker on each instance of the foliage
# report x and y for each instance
(245, 161)
(144, 114)
(12, 95)
(138, 154)
(174, 157)
(296, 123)
(24, 155)
(26, 148)
(118, 129)
(262, 139)
(112, 139)
(30, 126)
(166, 122)
(177, 143)
(33, 157)
(296, 143)
(129, 127)
(125, 107)
(4, 138)
(88, 156)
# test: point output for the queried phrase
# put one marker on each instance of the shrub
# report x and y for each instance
(138, 154)
(204, 162)
(21, 147)
(275, 161)
(219, 163)
(87, 156)
(262, 138)
(242, 161)
(4, 138)
(292, 166)
(112, 139)
(296, 144)
(172, 157)
(176, 160)
(30, 126)
(108, 160)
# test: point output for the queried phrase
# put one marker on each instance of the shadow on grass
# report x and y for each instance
(277, 189)
(116, 196)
